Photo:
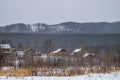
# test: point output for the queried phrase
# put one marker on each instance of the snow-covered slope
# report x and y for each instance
(94, 76)
(66, 27)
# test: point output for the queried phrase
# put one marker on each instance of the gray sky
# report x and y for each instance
(57, 11)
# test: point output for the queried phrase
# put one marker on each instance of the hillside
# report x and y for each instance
(63, 28)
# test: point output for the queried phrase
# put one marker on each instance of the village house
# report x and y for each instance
(5, 48)
(5, 51)
(7, 55)
(28, 57)
(78, 52)
(19, 59)
(59, 52)
(84, 58)
(90, 59)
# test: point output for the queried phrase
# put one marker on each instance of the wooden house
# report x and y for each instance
(91, 59)
(5, 48)
(59, 52)
(7, 55)
(78, 52)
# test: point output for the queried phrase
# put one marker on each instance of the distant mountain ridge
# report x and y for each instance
(63, 28)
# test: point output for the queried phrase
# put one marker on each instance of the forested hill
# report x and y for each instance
(63, 28)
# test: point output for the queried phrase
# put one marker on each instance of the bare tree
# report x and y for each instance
(48, 46)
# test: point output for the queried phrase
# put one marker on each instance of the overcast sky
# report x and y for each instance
(57, 11)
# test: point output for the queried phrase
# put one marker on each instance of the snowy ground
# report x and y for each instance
(94, 76)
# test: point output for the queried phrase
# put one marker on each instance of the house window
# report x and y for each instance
(5, 50)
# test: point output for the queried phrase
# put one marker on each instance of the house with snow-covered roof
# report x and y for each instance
(7, 55)
(5, 48)
(78, 51)
(91, 59)
(59, 52)
(88, 54)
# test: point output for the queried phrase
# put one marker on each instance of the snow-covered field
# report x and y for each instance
(93, 76)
